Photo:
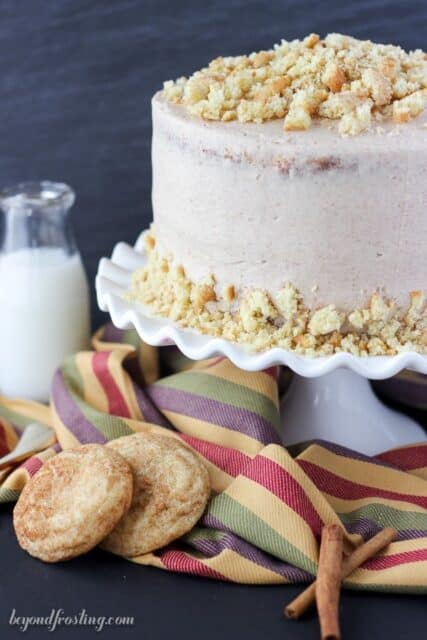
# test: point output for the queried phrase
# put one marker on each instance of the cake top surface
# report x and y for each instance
(356, 83)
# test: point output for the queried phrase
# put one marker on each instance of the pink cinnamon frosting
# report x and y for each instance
(257, 207)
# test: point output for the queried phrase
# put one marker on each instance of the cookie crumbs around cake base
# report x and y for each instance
(261, 321)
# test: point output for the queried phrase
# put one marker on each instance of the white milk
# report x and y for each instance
(44, 317)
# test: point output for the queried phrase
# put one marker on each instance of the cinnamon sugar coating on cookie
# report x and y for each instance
(171, 489)
(72, 502)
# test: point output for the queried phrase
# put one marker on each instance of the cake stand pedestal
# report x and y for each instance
(329, 398)
(341, 407)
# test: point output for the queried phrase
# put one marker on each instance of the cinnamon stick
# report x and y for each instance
(367, 550)
(370, 548)
(328, 583)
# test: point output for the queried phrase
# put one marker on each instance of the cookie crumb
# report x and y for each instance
(262, 321)
(298, 80)
(326, 320)
(229, 293)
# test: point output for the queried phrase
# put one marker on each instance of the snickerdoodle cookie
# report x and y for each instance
(171, 489)
(73, 502)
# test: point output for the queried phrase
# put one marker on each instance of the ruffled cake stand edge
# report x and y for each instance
(329, 398)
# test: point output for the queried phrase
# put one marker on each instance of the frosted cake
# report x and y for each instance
(289, 199)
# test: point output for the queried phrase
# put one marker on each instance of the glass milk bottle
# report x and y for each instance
(44, 296)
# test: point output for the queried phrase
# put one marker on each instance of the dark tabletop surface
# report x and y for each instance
(76, 79)
(174, 606)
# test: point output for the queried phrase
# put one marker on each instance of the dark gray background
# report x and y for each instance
(76, 79)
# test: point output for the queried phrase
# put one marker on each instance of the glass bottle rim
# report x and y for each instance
(44, 194)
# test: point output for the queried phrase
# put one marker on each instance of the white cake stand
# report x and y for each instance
(329, 398)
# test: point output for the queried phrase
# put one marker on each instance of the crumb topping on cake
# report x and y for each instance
(260, 320)
(356, 82)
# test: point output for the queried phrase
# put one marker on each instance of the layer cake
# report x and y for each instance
(289, 197)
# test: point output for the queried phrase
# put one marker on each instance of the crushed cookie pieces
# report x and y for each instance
(298, 80)
(262, 321)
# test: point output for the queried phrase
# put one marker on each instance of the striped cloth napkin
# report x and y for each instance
(268, 504)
